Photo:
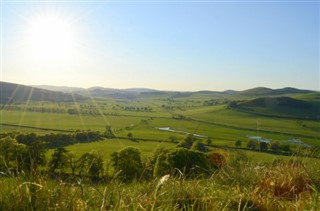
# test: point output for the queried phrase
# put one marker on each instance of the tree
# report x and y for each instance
(130, 135)
(90, 164)
(209, 141)
(161, 166)
(127, 164)
(32, 156)
(59, 159)
(187, 142)
(263, 146)
(173, 139)
(189, 162)
(72, 163)
(198, 146)
(109, 132)
(285, 148)
(96, 168)
(9, 150)
(252, 145)
(275, 146)
(238, 143)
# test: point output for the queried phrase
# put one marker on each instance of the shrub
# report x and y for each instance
(217, 159)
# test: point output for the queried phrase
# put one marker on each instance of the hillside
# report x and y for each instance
(12, 93)
(282, 106)
(263, 91)
(138, 93)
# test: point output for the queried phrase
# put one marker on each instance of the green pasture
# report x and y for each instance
(221, 115)
(222, 125)
(66, 121)
(107, 146)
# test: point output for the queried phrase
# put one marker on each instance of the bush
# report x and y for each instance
(189, 162)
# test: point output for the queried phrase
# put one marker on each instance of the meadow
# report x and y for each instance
(249, 179)
(142, 117)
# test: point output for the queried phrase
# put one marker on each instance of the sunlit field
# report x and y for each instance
(159, 105)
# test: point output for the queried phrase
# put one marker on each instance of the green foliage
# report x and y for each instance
(9, 151)
(130, 135)
(162, 166)
(238, 143)
(90, 164)
(275, 146)
(198, 146)
(59, 159)
(263, 146)
(191, 163)
(252, 144)
(127, 164)
(32, 157)
(187, 142)
(109, 133)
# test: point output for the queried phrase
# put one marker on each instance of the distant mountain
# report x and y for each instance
(230, 91)
(12, 93)
(132, 93)
(140, 90)
(263, 91)
(66, 89)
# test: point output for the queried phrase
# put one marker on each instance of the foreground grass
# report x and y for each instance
(240, 185)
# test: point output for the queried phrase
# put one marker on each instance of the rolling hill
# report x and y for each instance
(281, 106)
(14, 93)
(263, 91)
(134, 93)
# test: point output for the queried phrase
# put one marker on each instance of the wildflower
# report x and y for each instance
(163, 179)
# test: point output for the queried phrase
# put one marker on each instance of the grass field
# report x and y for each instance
(107, 146)
(221, 124)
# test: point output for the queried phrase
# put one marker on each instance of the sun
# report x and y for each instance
(50, 38)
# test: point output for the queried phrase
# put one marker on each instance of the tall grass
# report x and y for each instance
(239, 185)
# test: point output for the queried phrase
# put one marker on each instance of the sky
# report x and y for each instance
(165, 45)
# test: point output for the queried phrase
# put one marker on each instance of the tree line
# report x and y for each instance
(126, 165)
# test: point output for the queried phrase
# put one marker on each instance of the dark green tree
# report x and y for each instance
(275, 146)
(285, 148)
(252, 145)
(209, 141)
(32, 157)
(90, 164)
(187, 142)
(263, 146)
(161, 166)
(130, 135)
(9, 151)
(238, 143)
(198, 146)
(59, 159)
(127, 164)
(190, 163)
(109, 133)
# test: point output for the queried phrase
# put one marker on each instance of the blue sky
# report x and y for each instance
(164, 45)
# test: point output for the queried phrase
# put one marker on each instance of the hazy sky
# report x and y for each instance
(213, 45)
